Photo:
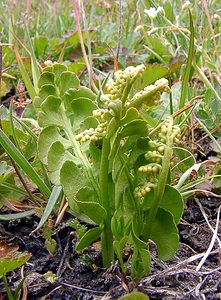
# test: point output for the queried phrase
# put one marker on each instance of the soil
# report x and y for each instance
(81, 276)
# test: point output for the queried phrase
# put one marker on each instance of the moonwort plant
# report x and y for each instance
(114, 171)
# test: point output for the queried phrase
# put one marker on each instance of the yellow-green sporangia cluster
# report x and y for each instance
(97, 133)
(167, 135)
(151, 94)
(115, 99)
(115, 87)
(113, 92)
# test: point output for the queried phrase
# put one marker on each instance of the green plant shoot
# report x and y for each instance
(114, 174)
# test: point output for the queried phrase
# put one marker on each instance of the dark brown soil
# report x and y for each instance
(80, 276)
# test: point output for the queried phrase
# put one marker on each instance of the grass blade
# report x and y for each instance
(210, 135)
(21, 161)
(56, 192)
(13, 127)
(34, 136)
(25, 75)
(34, 63)
(195, 182)
(16, 189)
(24, 214)
(188, 65)
(205, 80)
(30, 132)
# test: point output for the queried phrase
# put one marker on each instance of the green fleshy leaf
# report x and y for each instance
(81, 109)
(68, 80)
(152, 73)
(136, 127)
(51, 114)
(131, 114)
(141, 262)
(140, 147)
(48, 69)
(118, 248)
(37, 102)
(165, 234)
(82, 92)
(74, 94)
(47, 90)
(89, 237)
(46, 78)
(120, 185)
(51, 104)
(47, 137)
(89, 122)
(58, 69)
(87, 201)
(117, 165)
(93, 210)
(72, 181)
(57, 155)
(137, 241)
(172, 201)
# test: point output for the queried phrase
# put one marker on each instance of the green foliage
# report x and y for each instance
(100, 151)
(210, 114)
(113, 173)
(11, 259)
(80, 228)
(50, 243)
(134, 296)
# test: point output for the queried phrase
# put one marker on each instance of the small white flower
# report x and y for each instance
(48, 63)
(153, 12)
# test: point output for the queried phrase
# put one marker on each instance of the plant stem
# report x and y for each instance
(9, 293)
(78, 152)
(159, 192)
(106, 236)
